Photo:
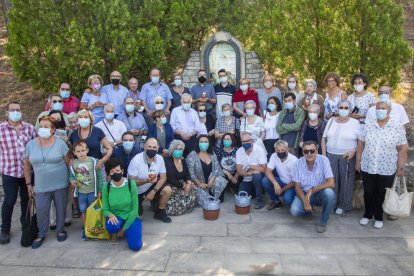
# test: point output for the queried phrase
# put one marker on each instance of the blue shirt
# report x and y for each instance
(125, 157)
(97, 112)
(116, 97)
(263, 97)
(133, 122)
(198, 89)
(149, 92)
(93, 141)
(309, 179)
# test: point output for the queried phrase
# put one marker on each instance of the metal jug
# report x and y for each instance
(211, 204)
(243, 199)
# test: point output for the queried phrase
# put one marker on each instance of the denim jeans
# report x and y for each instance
(325, 198)
(12, 186)
(133, 234)
(287, 195)
(253, 186)
(85, 200)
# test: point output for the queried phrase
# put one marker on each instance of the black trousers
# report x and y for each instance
(374, 193)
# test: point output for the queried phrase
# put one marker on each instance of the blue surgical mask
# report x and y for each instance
(227, 143)
(271, 107)
(177, 153)
(343, 113)
(381, 114)
(128, 145)
(202, 114)
(226, 113)
(247, 146)
(384, 98)
(15, 116)
(244, 87)
(129, 107)
(57, 106)
(177, 82)
(155, 79)
(109, 116)
(186, 107)
(203, 146)
(163, 120)
(292, 85)
(64, 94)
(289, 105)
(250, 112)
(84, 122)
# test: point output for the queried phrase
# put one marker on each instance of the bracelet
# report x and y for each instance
(28, 184)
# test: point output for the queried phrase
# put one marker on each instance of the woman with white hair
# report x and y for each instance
(182, 199)
(381, 155)
(252, 123)
(311, 97)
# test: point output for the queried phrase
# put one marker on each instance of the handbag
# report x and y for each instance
(398, 200)
(29, 225)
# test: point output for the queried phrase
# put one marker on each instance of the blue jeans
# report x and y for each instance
(288, 195)
(325, 198)
(253, 186)
(133, 234)
(12, 186)
(85, 200)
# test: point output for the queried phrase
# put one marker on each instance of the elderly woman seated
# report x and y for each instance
(182, 199)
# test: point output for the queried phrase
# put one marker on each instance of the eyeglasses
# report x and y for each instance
(201, 110)
(343, 107)
(159, 102)
(57, 101)
(311, 151)
(246, 142)
(384, 92)
(65, 89)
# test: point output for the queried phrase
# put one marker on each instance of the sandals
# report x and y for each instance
(76, 213)
(37, 243)
(61, 236)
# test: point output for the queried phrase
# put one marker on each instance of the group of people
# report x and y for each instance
(176, 147)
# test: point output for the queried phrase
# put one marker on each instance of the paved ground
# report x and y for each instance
(258, 243)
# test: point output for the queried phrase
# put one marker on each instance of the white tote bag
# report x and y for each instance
(398, 200)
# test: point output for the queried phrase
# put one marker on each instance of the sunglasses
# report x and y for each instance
(201, 110)
(57, 101)
(343, 107)
(65, 89)
(159, 102)
(246, 142)
(311, 151)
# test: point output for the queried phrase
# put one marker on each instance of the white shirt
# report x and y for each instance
(397, 113)
(139, 169)
(116, 128)
(256, 157)
(284, 169)
(270, 122)
(380, 153)
(342, 137)
(186, 121)
(254, 129)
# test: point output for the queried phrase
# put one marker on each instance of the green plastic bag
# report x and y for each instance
(95, 222)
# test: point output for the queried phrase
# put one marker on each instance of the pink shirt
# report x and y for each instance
(70, 105)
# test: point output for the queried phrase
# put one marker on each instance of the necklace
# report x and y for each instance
(80, 134)
(44, 156)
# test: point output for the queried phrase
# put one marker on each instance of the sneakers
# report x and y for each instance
(320, 228)
(364, 221)
(52, 227)
(84, 238)
(259, 204)
(378, 224)
(161, 215)
(5, 237)
(274, 205)
(339, 211)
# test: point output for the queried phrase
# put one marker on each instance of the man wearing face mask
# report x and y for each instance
(56, 104)
(70, 103)
(397, 113)
(251, 164)
(289, 122)
(224, 92)
(204, 92)
(186, 124)
(152, 89)
(278, 180)
(127, 151)
(112, 128)
(14, 136)
(148, 171)
(116, 92)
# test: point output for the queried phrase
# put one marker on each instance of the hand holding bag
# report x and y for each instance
(398, 200)
(29, 225)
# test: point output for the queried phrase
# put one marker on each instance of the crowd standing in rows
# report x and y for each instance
(176, 147)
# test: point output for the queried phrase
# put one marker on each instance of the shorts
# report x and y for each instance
(85, 200)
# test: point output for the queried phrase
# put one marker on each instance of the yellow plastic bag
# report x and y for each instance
(95, 222)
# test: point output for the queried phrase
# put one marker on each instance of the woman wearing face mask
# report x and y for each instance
(177, 90)
(271, 115)
(292, 84)
(312, 129)
(182, 199)
(162, 131)
(361, 100)
(225, 124)
(311, 97)
(334, 94)
(207, 120)
(252, 123)
(226, 155)
(133, 120)
(120, 206)
(93, 136)
(61, 128)
(381, 155)
(48, 157)
(269, 90)
(339, 144)
(93, 99)
(242, 95)
(205, 171)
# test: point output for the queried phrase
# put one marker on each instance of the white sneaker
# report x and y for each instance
(339, 211)
(364, 221)
(378, 224)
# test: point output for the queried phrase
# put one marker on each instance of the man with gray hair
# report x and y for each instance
(112, 128)
(278, 176)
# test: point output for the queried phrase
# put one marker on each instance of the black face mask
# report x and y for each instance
(151, 153)
(116, 177)
(115, 81)
(202, 79)
(281, 155)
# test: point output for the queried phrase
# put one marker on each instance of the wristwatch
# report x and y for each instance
(155, 189)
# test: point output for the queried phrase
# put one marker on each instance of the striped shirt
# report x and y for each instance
(12, 146)
(309, 179)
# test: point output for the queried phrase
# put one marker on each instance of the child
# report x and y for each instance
(85, 178)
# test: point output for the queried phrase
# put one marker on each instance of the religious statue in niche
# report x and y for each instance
(222, 56)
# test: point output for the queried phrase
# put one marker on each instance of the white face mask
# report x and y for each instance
(44, 132)
(292, 85)
(250, 112)
(313, 116)
(223, 79)
(268, 84)
(186, 106)
(159, 107)
(244, 87)
(359, 87)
